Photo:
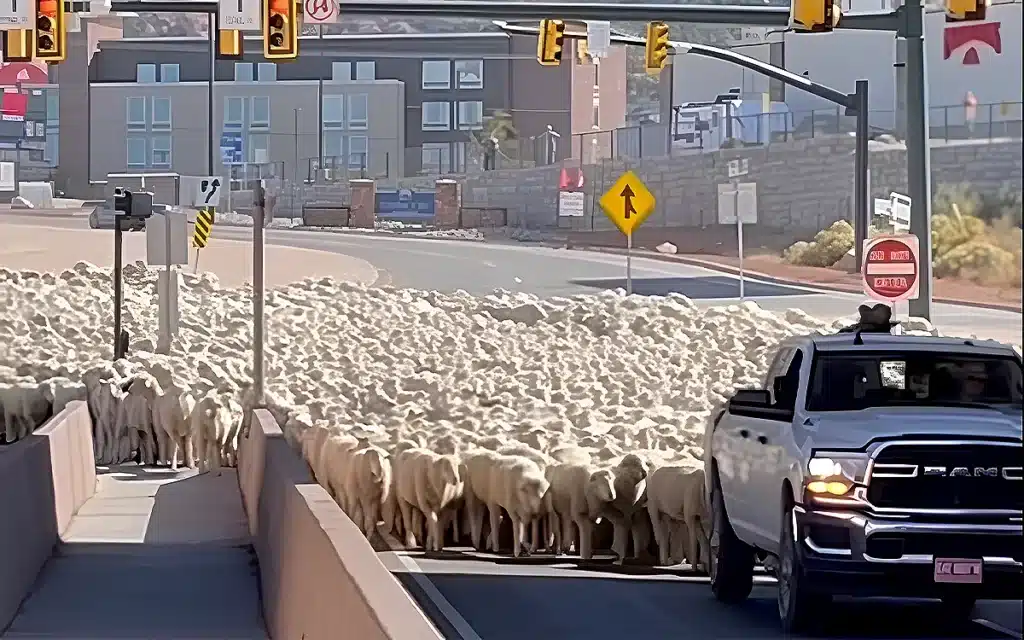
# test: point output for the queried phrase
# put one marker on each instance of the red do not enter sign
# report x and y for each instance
(891, 268)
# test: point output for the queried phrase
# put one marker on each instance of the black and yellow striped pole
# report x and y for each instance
(202, 231)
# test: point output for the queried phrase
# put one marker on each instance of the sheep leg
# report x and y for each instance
(494, 515)
(433, 531)
(641, 534)
(406, 512)
(620, 539)
(693, 550)
(660, 534)
(518, 533)
(534, 543)
(476, 521)
(371, 516)
(568, 535)
(418, 525)
(554, 532)
(678, 542)
(586, 541)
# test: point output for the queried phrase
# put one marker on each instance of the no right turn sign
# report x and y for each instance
(891, 268)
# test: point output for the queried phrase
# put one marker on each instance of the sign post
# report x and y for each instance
(892, 268)
(627, 204)
(737, 168)
(238, 15)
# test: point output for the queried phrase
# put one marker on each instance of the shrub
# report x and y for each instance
(827, 248)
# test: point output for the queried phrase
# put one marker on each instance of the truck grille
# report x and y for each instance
(941, 476)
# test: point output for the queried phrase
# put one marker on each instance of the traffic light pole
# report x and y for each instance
(907, 21)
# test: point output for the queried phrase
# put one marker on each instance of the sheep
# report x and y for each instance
(577, 495)
(211, 423)
(430, 482)
(367, 486)
(675, 505)
(476, 468)
(390, 514)
(630, 480)
(25, 407)
(542, 461)
(331, 466)
(136, 416)
(60, 391)
(517, 486)
(172, 412)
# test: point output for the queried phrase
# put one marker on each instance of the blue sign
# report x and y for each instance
(231, 147)
(406, 204)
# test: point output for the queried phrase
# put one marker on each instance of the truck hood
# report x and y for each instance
(855, 429)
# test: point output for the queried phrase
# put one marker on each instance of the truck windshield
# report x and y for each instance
(852, 381)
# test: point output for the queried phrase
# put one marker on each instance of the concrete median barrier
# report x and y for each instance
(319, 574)
(46, 479)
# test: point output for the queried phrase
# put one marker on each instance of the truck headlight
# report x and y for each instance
(835, 473)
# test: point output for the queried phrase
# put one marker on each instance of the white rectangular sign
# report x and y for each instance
(599, 38)
(16, 14)
(208, 192)
(157, 241)
(240, 15)
(571, 204)
(745, 201)
(7, 177)
(319, 11)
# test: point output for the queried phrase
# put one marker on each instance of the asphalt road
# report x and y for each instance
(473, 596)
(480, 268)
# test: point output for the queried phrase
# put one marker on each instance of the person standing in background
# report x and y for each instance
(970, 111)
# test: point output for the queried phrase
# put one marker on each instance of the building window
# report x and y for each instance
(341, 71)
(437, 116)
(334, 111)
(234, 111)
(162, 152)
(334, 141)
(357, 152)
(471, 115)
(366, 70)
(259, 148)
(169, 73)
(358, 111)
(161, 113)
(470, 74)
(136, 153)
(266, 72)
(145, 73)
(260, 115)
(435, 157)
(243, 72)
(437, 74)
(136, 116)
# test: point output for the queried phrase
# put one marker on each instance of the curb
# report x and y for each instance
(724, 268)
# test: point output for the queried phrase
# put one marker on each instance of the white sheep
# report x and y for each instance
(430, 482)
(331, 466)
(368, 486)
(577, 495)
(211, 424)
(675, 504)
(477, 466)
(25, 407)
(390, 515)
(172, 415)
(60, 391)
(135, 417)
(517, 486)
(630, 480)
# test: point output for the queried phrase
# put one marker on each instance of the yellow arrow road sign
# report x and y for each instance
(628, 203)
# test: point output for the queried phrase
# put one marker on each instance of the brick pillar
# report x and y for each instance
(363, 204)
(446, 204)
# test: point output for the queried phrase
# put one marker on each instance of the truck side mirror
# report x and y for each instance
(751, 398)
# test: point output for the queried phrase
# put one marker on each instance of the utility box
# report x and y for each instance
(167, 239)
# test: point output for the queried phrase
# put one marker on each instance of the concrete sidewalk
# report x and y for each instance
(153, 555)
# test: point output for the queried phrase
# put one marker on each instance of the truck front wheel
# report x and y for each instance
(799, 607)
(731, 562)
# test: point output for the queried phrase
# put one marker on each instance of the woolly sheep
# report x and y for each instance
(367, 486)
(60, 391)
(135, 418)
(211, 424)
(172, 414)
(630, 480)
(331, 466)
(576, 495)
(430, 482)
(675, 505)
(517, 486)
(25, 407)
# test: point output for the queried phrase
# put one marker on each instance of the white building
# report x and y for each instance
(983, 58)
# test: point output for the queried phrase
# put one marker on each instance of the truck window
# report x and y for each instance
(852, 381)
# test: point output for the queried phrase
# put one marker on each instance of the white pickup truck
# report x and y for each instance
(871, 464)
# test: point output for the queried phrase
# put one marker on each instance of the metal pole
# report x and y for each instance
(629, 264)
(211, 158)
(918, 161)
(117, 288)
(167, 290)
(861, 212)
(259, 202)
(739, 230)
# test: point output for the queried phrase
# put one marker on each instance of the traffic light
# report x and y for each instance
(51, 34)
(229, 44)
(656, 50)
(280, 30)
(816, 16)
(17, 45)
(965, 10)
(550, 41)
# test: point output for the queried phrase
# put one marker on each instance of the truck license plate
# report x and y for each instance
(958, 570)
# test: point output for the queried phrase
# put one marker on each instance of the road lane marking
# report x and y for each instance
(998, 628)
(444, 607)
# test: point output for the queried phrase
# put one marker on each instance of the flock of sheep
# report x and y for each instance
(436, 416)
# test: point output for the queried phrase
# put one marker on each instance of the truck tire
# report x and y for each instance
(731, 561)
(799, 607)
